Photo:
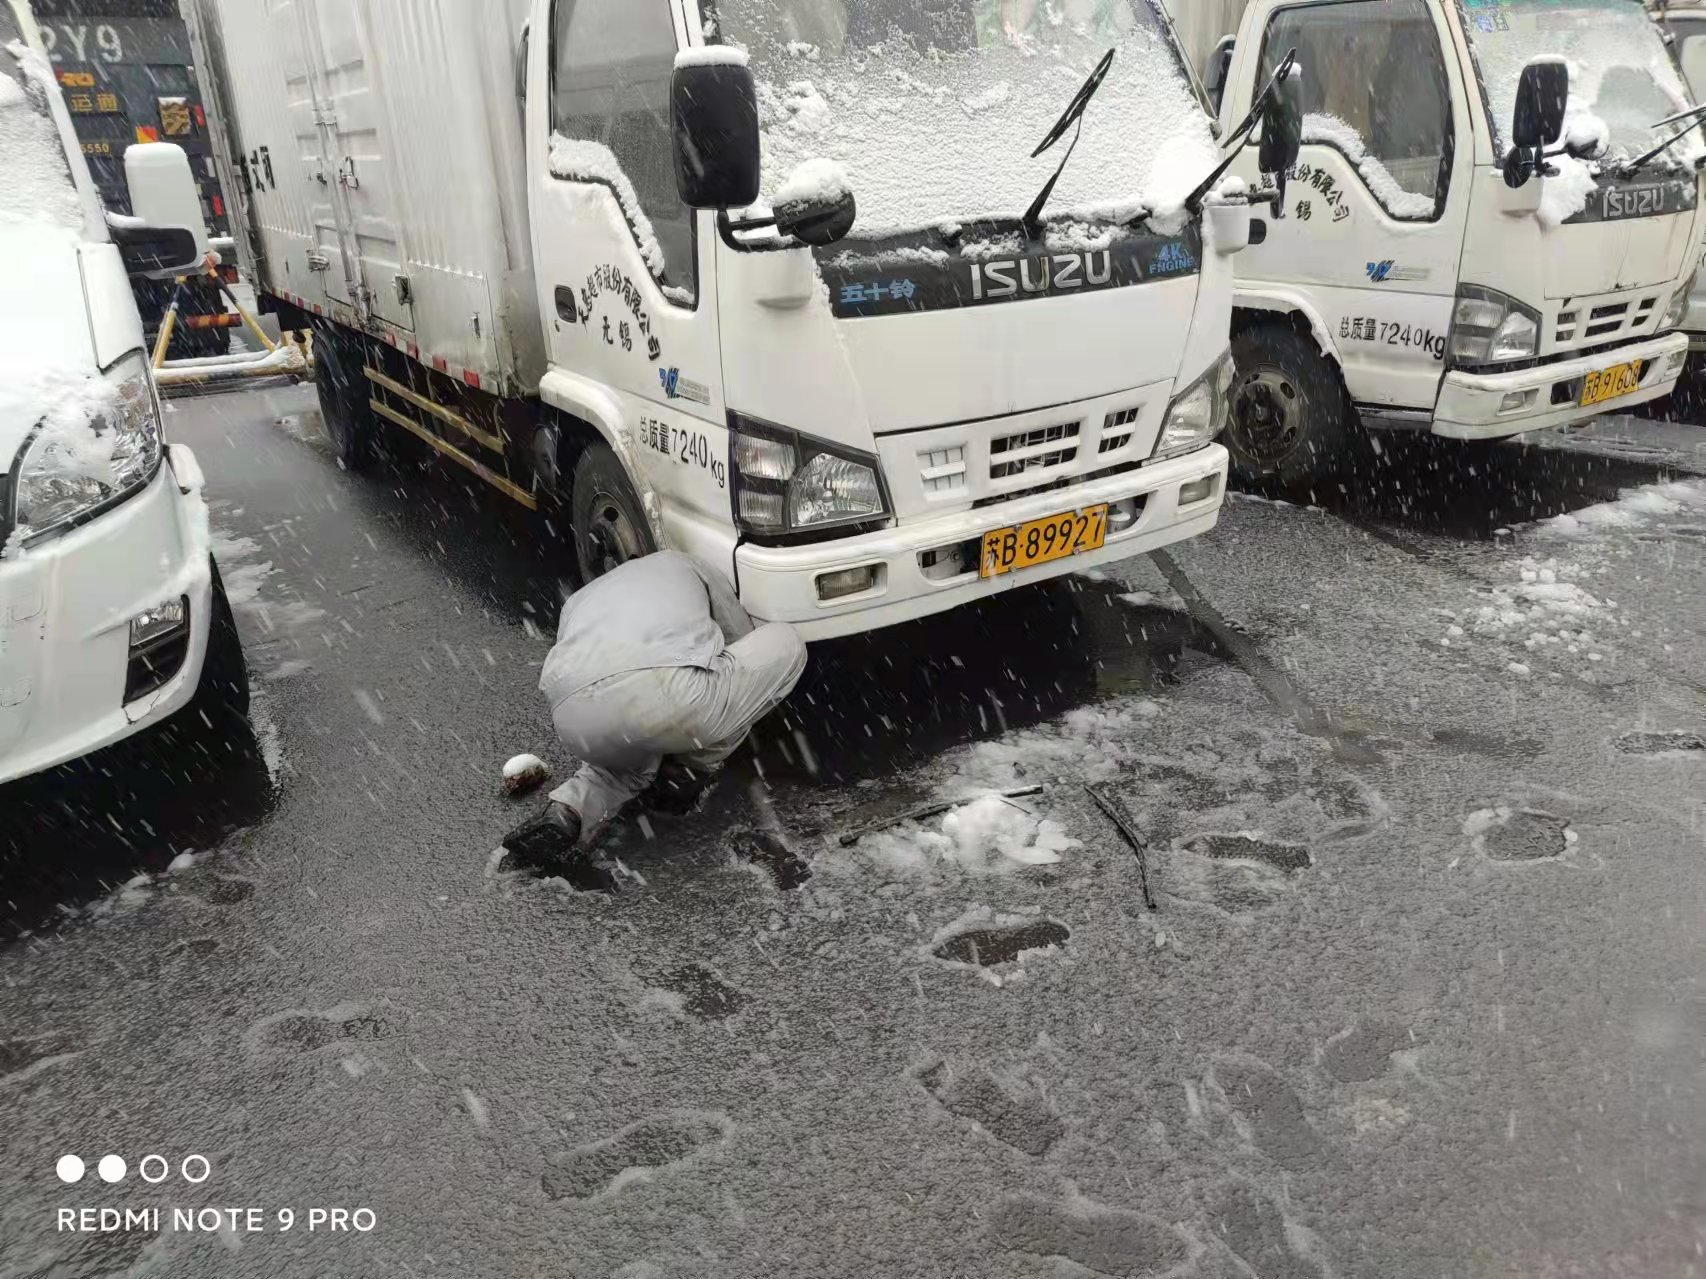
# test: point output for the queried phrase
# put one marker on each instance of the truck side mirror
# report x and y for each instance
(1541, 94)
(1219, 66)
(1282, 125)
(1538, 120)
(167, 235)
(814, 204)
(714, 114)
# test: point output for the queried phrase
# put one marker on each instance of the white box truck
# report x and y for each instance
(1493, 226)
(886, 373)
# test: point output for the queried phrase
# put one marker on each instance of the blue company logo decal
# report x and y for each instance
(1172, 259)
(676, 387)
(1384, 272)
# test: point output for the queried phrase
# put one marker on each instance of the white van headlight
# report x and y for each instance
(785, 481)
(80, 461)
(1489, 327)
(1198, 414)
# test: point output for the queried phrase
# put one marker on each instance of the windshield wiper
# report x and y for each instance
(1694, 118)
(1074, 114)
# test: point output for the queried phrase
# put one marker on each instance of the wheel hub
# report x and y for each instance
(1267, 416)
(613, 539)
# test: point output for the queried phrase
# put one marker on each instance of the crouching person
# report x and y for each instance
(656, 664)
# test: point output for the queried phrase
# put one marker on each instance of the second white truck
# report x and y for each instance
(1492, 228)
(880, 305)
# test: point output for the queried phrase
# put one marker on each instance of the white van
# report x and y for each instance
(870, 383)
(1493, 226)
(111, 615)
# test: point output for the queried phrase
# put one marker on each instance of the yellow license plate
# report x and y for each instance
(1039, 541)
(1608, 384)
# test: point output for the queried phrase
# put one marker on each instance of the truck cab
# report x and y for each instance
(1484, 233)
(906, 398)
(1684, 25)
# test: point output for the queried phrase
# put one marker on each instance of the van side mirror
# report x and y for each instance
(151, 250)
(1282, 123)
(167, 235)
(1538, 120)
(714, 118)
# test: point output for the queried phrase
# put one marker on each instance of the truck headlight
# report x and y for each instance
(1678, 308)
(1489, 327)
(788, 482)
(1198, 414)
(80, 462)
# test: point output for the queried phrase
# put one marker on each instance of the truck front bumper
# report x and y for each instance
(781, 583)
(1491, 406)
(70, 682)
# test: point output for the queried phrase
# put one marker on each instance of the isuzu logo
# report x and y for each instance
(1054, 273)
(986, 265)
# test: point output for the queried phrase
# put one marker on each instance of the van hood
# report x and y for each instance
(47, 352)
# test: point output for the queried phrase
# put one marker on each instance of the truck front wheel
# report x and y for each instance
(1291, 420)
(609, 522)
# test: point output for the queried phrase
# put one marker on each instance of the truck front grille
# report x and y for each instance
(1040, 449)
(1586, 325)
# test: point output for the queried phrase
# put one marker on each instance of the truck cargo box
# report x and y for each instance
(376, 154)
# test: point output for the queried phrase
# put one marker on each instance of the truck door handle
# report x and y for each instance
(566, 309)
(1258, 231)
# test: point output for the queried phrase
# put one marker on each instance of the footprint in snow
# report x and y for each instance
(1268, 1113)
(1364, 1051)
(662, 1143)
(1109, 1241)
(1238, 873)
(1015, 1116)
(1255, 1229)
(1506, 834)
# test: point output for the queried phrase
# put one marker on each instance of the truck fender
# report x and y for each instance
(1282, 301)
(591, 406)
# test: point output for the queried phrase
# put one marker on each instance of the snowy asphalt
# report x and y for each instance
(1423, 780)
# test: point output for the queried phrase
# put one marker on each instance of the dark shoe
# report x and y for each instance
(547, 842)
(677, 790)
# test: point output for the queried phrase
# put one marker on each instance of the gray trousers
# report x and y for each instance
(622, 728)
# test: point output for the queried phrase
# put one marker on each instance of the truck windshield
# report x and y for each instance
(1622, 79)
(933, 106)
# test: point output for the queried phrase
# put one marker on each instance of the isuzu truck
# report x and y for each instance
(881, 306)
(1493, 225)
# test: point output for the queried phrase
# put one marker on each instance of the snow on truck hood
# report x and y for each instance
(937, 124)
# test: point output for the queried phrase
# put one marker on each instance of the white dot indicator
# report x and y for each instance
(70, 1168)
(111, 1168)
(165, 1169)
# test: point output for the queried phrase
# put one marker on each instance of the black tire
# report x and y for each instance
(609, 522)
(342, 388)
(1291, 420)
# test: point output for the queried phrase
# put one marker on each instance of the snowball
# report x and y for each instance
(522, 773)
